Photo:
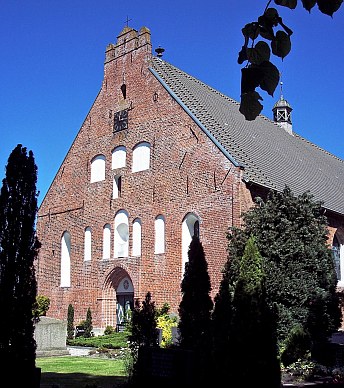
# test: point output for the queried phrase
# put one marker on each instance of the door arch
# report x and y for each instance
(117, 299)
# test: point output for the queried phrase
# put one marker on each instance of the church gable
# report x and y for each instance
(159, 157)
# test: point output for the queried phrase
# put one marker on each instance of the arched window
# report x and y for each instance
(65, 259)
(136, 250)
(119, 155)
(121, 234)
(159, 227)
(338, 257)
(141, 157)
(106, 242)
(88, 244)
(190, 228)
(117, 186)
(98, 168)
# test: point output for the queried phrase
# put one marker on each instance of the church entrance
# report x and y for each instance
(117, 300)
(125, 303)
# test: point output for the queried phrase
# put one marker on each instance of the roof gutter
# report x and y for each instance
(195, 119)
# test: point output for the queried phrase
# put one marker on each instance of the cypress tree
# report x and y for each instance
(88, 324)
(18, 250)
(70, 322)
(195, 309)
(254, 342)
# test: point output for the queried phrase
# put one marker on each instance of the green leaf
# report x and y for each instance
(287, 3)
(281, 45)
(258, 54)
(270, 78)
(271, 16)
(308, 4)
(250, 79)
(329, 7)
(251, 30)
(250, 106)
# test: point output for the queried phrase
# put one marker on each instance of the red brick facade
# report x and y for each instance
(187, 174)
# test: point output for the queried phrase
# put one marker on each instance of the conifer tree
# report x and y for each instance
(70, 322)
(291, 235)
(195, 308)
(254, 343)
(88, 324)
(18, 250)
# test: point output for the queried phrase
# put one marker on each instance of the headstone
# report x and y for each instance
(50, 336)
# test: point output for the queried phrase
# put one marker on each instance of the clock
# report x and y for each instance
(121, 120)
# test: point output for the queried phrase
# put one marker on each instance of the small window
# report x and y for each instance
(159, 235)
(119, 155)
(65, 259)
(136, 251)
(98, 168)
(106, 242)
(141, 157)
(190, 228)
(87, 244)
(117, 186)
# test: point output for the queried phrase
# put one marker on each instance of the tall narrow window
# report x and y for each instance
(190, 227)
(117, 186)
(119, 155)
(159, 227)
(141, 157)
(88, 244)
(65, 259)
(106, 242)
(98, 168)
(136, 251)
(121, 234)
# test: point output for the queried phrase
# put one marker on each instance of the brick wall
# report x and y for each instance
(187, 174)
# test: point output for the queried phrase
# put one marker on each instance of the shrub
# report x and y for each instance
(109, 330)
(41, 306)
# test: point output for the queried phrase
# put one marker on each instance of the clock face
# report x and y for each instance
(121, 120)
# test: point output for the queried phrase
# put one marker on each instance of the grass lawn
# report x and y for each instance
(81, 372)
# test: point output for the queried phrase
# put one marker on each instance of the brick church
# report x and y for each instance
(160, 157)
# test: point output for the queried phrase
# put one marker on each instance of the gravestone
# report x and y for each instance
(50, 336)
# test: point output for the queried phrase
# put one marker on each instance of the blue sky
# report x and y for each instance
(52, 56)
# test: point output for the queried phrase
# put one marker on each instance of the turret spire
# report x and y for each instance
(282, 112)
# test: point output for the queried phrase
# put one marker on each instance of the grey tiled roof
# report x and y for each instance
(271, 157)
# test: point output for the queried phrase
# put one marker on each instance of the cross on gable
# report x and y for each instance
(127, 21)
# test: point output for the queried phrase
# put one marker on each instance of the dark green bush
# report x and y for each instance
(111, 341)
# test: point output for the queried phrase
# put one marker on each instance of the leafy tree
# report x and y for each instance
(70, 322)
(258, 70)
(18, 249)
(88, 324)
(195, 307)
(291, 235)
(165, 322)
(41, 306)
(254, 346)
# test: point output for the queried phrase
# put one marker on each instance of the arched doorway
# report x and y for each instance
(125, 303)
(117, 299)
